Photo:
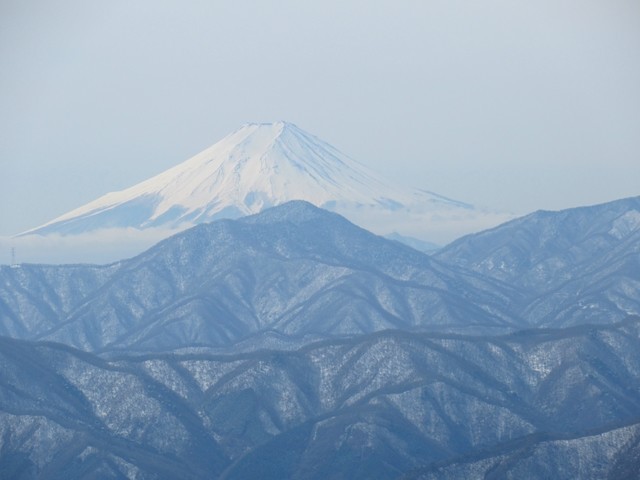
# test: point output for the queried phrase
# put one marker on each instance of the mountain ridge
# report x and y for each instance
(294, 344)
(384, 404)
(574, 265)
(295, 270)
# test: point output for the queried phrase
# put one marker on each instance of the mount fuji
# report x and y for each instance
(263, 165)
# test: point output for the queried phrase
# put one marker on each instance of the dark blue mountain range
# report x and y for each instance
(293, 344)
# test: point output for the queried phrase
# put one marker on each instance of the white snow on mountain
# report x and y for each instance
(262, 165)
(625, 224)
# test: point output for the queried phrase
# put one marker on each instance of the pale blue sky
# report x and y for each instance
(511, 105)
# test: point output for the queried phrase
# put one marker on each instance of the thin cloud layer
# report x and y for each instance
(99, 247)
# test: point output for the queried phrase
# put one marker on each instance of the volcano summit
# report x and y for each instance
(262, 165)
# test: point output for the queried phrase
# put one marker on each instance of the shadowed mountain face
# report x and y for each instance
(293, 344)
(379, 405)
(575, 266)
(293, 271)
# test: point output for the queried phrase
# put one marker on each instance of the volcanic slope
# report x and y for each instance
(262, 165)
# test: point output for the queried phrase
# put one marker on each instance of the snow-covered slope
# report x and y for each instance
(559, 404)
(261, 165)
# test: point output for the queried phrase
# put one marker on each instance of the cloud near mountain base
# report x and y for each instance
(113, 244)
(99, 247)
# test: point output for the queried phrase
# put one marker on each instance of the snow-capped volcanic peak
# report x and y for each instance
(257, 166)
(263, 165)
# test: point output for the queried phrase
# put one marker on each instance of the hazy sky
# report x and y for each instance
(511, 105)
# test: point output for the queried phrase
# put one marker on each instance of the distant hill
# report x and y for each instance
(575, 265)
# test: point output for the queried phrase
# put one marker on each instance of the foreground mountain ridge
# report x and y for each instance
(381, 405)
